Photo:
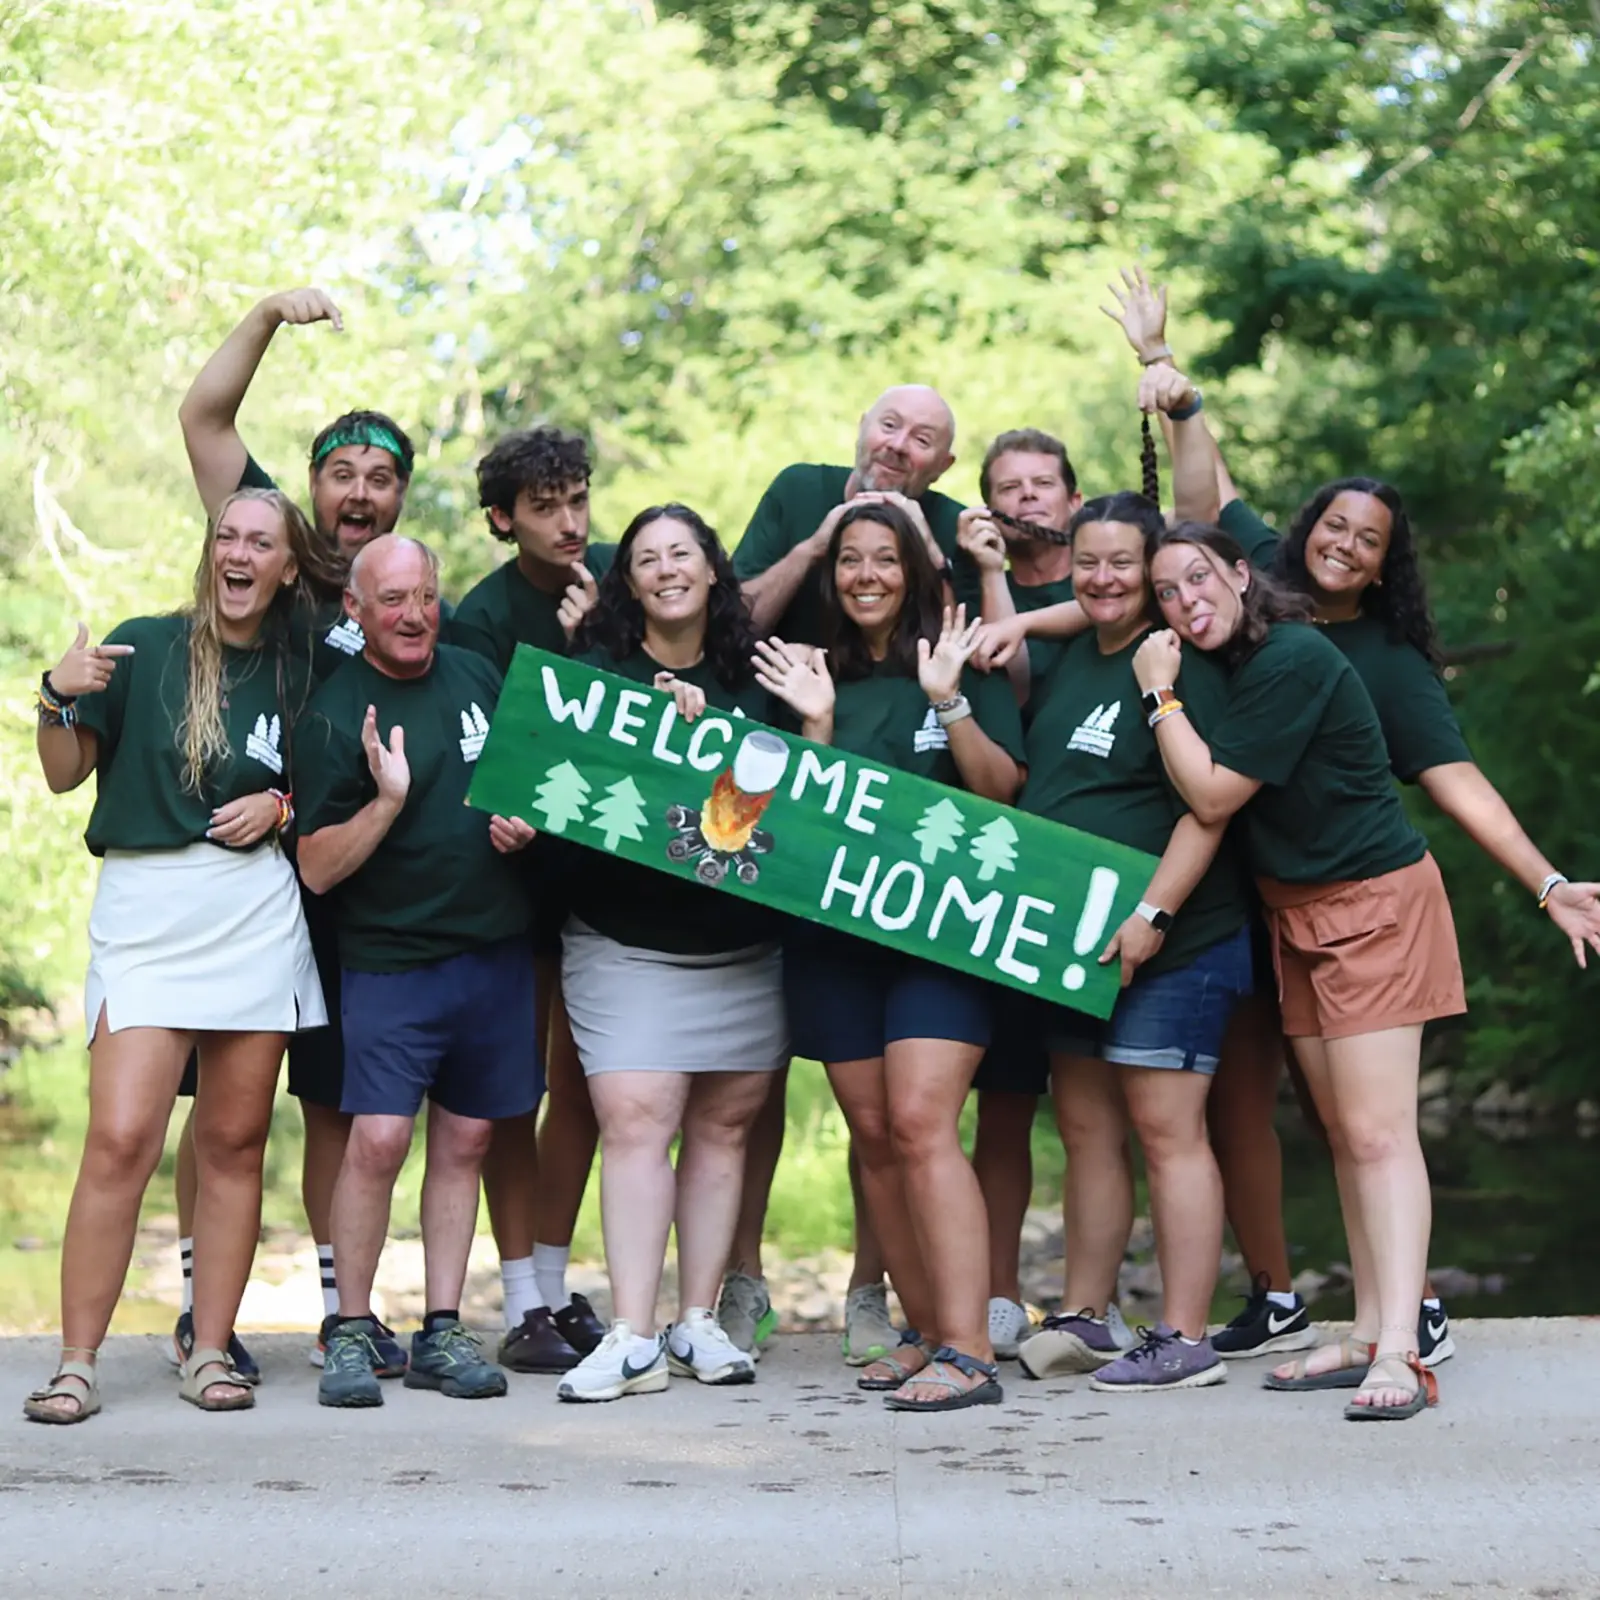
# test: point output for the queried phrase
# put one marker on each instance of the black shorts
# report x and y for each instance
(1017, 1060)
(316, 1057)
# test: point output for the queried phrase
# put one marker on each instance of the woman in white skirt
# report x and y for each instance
(196, 936)
(675, 990)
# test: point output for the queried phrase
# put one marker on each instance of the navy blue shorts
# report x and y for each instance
(1017, 1060)
(849, 999)
(1173, 1019)
(459, 1032)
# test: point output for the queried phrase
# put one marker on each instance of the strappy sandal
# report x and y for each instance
(64, 1386)
(899, 1361)
(1426, 1393)
(196, 1387)
(947, 1369)
(1355, 1358)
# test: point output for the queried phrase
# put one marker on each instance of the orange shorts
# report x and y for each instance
(1364, 955)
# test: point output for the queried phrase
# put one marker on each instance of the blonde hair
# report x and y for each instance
(319, 575)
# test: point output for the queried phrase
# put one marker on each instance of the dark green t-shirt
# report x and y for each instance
(504, 610)
(1299, 720)
(434, 887)
(1419, 723)
(887, 719)
(1093, 764)
(793, 508)
(142, 802)
(650, 910)
(1043, 654)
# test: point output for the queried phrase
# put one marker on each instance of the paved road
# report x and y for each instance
(800, 1486)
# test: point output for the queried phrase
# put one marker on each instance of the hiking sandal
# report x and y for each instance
(196, 1387)
(64, 1386)
(1355, 1358)
(1426, 1393)
(901, 1362)
(947, 1369)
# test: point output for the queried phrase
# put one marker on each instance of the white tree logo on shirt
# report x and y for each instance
(1094, 734)
(474, 730)
(346, 637)
(263, 744)
(931, 735)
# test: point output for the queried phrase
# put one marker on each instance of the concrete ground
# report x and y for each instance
(801, 1486)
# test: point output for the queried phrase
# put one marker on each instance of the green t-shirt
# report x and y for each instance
(887, 719)
(649, 910)
(793, 508)
(1299, 720)
(141, 801)
(1043, 654)
(1093, 764)
(434, 887)
(1419, 723)
(504, 610)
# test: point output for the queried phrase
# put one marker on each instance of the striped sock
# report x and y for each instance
(186, 1260)
(330, 1286)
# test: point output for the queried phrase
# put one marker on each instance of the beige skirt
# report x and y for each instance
(636, 1010)
(200, 939)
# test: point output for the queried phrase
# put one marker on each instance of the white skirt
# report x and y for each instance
(201, 939)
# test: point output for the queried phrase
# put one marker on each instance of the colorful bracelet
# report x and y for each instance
(1548, 885)
(55, 710)
(285, 809)
(1165, 709)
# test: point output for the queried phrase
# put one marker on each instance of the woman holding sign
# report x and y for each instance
(196, 937)
(1363, 940)
(901, 1038)
(675, 992)
(1185, 957)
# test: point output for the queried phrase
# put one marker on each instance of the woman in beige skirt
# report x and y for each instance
(196, 936)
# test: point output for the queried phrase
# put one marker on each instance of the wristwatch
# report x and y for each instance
(1157, 918)
(1153, 699)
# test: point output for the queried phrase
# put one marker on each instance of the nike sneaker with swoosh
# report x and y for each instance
(1264, 1327)
(698, 1348)
(1434, 1343)
(624, 1362)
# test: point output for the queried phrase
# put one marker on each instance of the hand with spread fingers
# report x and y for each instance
(1575, 910)
(979, 535)
(578, 601)
(1141, 314)
(939, 664)
(85, 668)
(689, 698)
(301, 306)
(242, 822)
(798, 675)
(387, 762)
(510, 834)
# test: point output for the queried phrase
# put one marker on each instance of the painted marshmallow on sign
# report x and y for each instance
(808, 830)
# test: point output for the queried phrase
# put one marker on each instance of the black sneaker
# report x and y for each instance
(534, 1345)
(1434, 1343)
(449, 1358)
(240, 1359)
(579, 1326)
(349, 1359)
(1263, 1327)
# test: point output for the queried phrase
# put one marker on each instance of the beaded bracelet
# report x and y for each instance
(55, 710)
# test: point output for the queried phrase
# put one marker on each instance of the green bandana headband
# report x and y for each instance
(362, 433)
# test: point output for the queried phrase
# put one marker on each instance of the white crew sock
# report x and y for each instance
(520, 1290)
(1433, 1304)
(1284, 1302)
(330, 1287)
(550, 1269)
(186, 1260)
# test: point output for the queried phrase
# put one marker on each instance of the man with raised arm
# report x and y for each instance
(437, 970)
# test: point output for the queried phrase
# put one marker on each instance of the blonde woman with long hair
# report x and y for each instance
(196, 937)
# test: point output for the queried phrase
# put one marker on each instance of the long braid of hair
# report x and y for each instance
(1149, 470)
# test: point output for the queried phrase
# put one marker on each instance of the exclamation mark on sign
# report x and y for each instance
(1092, 923)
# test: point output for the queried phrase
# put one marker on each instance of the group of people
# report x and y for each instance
(288, 863)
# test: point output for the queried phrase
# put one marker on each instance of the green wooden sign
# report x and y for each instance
(748, 810)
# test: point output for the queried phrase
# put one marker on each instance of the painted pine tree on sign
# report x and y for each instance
(941, 827)
(995, 849)
(621, 814)
(560, 799)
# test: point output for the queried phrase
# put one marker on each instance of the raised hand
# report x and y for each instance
(689, 698)
(939, 665)
(798, 676)
(980, 537)
(1164, 388)
(301, 306)
(1156, 661)
(1575, 910)
(390, 770)
(578, 601)
(1141, 314)
(241, 822)
(85, 668)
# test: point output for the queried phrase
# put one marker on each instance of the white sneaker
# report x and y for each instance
(624, 1362)
(868, 1331)
(744, 1313)
(697, 1347)
(1009, 1325)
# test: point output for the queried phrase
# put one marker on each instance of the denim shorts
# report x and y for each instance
(460, 1032)
(848, 999)
(1173, 1020)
